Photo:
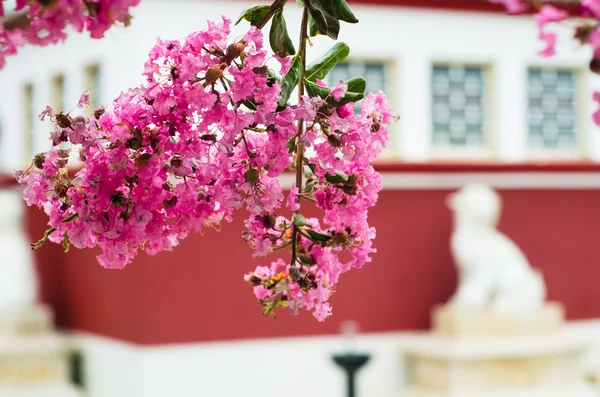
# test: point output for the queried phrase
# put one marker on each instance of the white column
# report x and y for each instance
(414, 106)
(509, 100)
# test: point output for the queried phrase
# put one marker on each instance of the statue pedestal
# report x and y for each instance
(479, 354)
(34, 360)
(485, 324)
(547, 366)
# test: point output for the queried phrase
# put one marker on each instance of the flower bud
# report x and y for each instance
(254, 280)
(214, 73)
(176, 161)
(595, 65)
(63, 120)
(170, 203)
(269, 221)
(39, 160)
(235, 50)
(261, 69)
(143, 159)
(334, 140)
(376, 126)
(98, 112)
(209, 137)
(341, 238)
(118, 199)
(125, 215)
(252, 176)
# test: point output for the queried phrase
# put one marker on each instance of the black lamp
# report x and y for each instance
(351, 362)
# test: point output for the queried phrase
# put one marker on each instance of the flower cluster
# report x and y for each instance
(202, 137)
(47, 21)
(583, 15)
(342, 183)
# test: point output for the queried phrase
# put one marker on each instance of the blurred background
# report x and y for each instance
(477, 105)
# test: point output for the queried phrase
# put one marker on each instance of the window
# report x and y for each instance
(458, 106)
(375, 72)
(28, 122)
(92, 83)
(58, 92)
(552, 109)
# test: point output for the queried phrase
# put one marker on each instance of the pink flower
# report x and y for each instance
(292, 200)
(513, 6)
(339, 91)
(549, 14)
(550, 40)
(593, 6)
(187, 148)
(346, 110)
(49, 24)
(84, 100)
(47, 112)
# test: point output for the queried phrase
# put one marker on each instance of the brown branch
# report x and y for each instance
(272, 10)
(299, 147)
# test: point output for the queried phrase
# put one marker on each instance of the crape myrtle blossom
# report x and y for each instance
(203, 137)
(48, 20)
(583, 16)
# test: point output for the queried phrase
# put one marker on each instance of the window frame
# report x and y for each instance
(580, 151)
(489, 150)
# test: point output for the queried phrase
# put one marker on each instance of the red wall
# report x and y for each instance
(196, 292)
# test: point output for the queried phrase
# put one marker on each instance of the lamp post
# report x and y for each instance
(351, 362)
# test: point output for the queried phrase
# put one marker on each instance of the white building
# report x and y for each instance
(468, 86)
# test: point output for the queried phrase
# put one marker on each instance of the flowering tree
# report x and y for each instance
(43, 22)
(582, 15)
(212, 129)
(209, 132)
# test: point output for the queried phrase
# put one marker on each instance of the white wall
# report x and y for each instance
(411, 39)
(291, 367)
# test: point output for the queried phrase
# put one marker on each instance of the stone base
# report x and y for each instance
(505, 367)
(28, 321)
(555, 391)
(34, 360)
(51, 390)
(449, 322)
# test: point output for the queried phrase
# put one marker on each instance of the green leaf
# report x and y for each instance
(357, 84)
(253, 15)
(315, 90)
(250, 104)
(338, 9)
(300, 220)
(281, 44)
(322, 21)
(290, 81)
(339, 177)
(306, 260)
(65, 243)
(308, 173)
(310, 186)
(291, 144)
(322, 66)
(316, 236)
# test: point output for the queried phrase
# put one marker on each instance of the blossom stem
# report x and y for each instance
(272, 10)
(299, 147)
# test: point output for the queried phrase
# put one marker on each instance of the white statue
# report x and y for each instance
(493, 272)
(18, 282)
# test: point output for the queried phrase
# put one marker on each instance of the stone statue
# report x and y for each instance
(18, 282)
(493, 272)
